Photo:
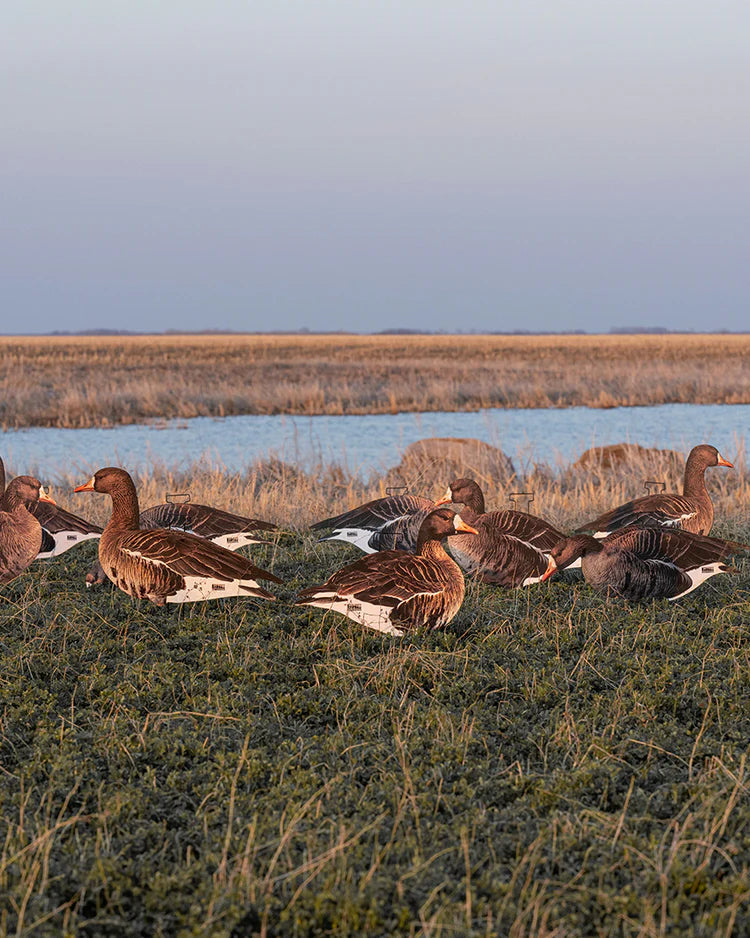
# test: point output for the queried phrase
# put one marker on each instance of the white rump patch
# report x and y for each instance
(64, 540)
(356, 536)
(199, 588)
(368, 614)
(235, 541)
(699, 575)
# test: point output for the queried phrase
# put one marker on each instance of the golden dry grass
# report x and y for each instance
(566, 495)
(96, 381)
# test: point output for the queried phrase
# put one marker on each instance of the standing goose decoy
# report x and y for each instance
(645, 563)
(692, 511)
(512, 547)
(61, 529)
(164, 565)
(394, 591)
(214, 524)
(390, 523)
(20, 532)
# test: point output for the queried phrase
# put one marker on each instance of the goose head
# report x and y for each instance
(107, 480)
(441, 523)
(568, 550)
(464, 492)
(26, 491)
(704, 456)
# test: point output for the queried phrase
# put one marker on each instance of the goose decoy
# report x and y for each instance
(61, 529)
(222, 527)
(692, 511)
(640, 563)
(390, 523)
(20, 532)
(512, 547)
(394, 591)
(163, 565)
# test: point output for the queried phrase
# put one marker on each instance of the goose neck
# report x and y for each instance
(125, 506)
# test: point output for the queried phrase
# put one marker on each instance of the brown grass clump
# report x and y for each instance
(567, 495)
(96, 381)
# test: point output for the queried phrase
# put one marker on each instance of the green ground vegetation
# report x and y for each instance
(552, 764)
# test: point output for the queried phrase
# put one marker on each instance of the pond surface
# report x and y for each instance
(370, 444)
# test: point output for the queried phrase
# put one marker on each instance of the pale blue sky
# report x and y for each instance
(365, 165)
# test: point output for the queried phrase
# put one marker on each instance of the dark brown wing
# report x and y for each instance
(2, 478)
(663, 510)
(387, 578)
(681, 548)
(402, 533)
(374, 514)
(200, 519)
(497, 558)
(56, 519)
(190, 555)
(526, 527)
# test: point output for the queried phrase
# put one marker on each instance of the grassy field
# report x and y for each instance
(95, 381)
(550, 765)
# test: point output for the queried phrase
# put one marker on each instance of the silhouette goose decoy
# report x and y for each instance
(164, 565)
(61, 529)
(511, 548)
(222, 527)
(641, 563)
(390, 523)
(20, 532)
(394, 591)
(692, 511)
(215, 524)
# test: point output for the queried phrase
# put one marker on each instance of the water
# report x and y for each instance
(370, 444)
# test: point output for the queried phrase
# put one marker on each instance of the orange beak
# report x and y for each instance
(88, 487)
(445, 499)
(551, 568)
(460, 525)
(44, 496)
(724, 462)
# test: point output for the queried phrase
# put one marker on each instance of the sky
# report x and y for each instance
(369, 164)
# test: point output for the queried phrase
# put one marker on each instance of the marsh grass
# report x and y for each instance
(566, 494)
(550, 765)
(97, 381)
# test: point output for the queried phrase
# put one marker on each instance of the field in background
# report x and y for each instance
(552, 765)
(97, 381)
